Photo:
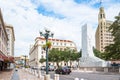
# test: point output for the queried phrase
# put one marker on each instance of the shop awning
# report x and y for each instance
(11, 59)
(3, 57)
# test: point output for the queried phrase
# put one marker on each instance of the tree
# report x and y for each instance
(42, 60)
(98, 54)
(113, 50)
(55, 56)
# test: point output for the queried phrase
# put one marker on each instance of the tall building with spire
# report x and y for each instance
(103, 36)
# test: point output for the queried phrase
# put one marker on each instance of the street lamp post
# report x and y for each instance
(46, 35)
(25, 61)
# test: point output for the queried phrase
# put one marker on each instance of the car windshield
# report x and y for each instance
(51, 66)
(65, 67)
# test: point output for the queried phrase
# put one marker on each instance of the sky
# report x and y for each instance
(62, 17)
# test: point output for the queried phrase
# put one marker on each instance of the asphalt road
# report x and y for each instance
(88, 76)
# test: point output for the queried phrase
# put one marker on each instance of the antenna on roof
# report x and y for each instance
(101, 3)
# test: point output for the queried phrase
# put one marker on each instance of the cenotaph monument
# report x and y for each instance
(88, 59)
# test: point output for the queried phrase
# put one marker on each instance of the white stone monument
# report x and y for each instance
(88, 59)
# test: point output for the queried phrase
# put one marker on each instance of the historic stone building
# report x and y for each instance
(37, 52)
(6, 57)
(11, 39)
(103, 35)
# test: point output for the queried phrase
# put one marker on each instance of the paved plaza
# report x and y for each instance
(21, 74)
(6, 74)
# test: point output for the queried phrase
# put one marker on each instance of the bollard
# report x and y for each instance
(94, 69)
(56, 77)
(119, 69)
(47, 77)
(76, 79)
(42, 77)
(39, 74)
(106, 69)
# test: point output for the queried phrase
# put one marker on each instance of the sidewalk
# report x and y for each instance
(6, 74)
(23, 75)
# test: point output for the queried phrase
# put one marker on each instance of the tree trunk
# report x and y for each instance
(70, 63)
(57, 64)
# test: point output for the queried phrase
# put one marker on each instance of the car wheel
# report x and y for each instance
(61, 73)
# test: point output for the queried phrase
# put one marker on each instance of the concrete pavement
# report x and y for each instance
(17, 75)
(6, 74)
(23, 75)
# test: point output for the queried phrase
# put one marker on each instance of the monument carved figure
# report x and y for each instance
(88, 59)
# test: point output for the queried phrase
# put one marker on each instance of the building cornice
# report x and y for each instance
(3, 23)
(10, 26)
(41, 38)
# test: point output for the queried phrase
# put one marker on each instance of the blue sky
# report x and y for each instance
(63, 17)
(42, 10)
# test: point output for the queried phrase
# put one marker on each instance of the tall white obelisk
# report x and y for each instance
(86, 42)
(88, 59)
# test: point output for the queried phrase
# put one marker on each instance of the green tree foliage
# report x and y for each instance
(57, 56)
(113, 50)
(98, 54)
(42, 60)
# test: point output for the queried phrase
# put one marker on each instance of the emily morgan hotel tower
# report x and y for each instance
(103, 36)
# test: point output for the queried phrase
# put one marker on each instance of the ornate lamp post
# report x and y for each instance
(25, 60)
(46, 35)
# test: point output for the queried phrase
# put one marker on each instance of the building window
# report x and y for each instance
(42, 52)
(60, 49)
(0, 30)
(0, 44)
(53, 43)
(65, 44)
(101, 23)
(100, 15)
(104, 15)
(104, 23)
(42, 42)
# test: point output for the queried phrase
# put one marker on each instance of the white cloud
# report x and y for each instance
(27, 21)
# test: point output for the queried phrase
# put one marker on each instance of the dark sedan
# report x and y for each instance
(63, 70)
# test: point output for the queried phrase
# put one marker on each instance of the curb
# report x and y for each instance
(12, 74)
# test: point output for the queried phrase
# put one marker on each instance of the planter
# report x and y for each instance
(44, 46)
(49, 44)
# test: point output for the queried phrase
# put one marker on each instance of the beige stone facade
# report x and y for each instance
(37, 52)
(3, 36)
(6, 55)
(103, 36)
(11, 39)
(20, 61)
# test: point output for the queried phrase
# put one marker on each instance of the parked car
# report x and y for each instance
(63, 70)
(42, 67)
(50, 68)
(35, 68)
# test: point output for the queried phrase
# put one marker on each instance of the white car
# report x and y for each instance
(42, 67)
